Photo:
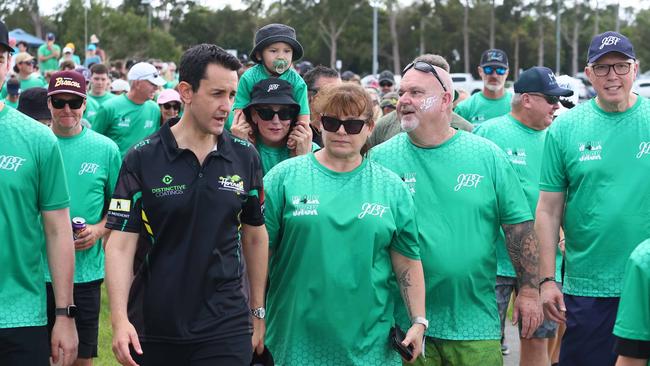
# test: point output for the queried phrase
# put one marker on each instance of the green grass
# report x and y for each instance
(104, 350)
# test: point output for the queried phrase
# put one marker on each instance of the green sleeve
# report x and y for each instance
(53, 186)
(243, 96)
(314, 146)
(3, 94)
(511, 200)
(553, 174)
(405, 241)
(273, 205)
(40, 51)
(300, 94)
(114, 165)
(633, 318)
(102, 119)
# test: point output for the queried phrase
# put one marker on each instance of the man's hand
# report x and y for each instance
(528, 311)
(259, 330)
(89, 236)
(65, 339)
(553, 302)
(241, 128)
(124, 334)
(414, 337)
(300, 139)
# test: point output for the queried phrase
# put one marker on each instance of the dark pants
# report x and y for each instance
(24, 346)
(588, 340)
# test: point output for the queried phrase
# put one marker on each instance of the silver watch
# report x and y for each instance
(420, 320)
(259, 313)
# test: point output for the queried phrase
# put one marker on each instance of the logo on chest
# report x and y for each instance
(468, 181)
(517, 155)
(644, 149)
(124, 122)
(11, 163)
(305, 205)
(372, 209)
(410, 180)
(88, 168)
(590, 150)
(231, 183)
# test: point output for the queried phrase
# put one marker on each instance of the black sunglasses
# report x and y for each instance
(351, 126)
(75, 103)
(176, 106)
(385, 83)
(424, 67)
(550, 99)
(266, 114)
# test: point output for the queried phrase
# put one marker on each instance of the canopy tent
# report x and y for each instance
(21, 35)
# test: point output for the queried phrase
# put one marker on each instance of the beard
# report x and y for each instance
(409, 123)
(494, 87)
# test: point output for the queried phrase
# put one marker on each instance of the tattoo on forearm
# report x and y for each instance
(523, 247)
(404, 280)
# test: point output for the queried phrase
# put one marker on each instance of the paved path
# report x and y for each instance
(512, 340)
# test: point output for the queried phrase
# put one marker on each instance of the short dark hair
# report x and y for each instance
(317, 72)
(98, 69)
(23, 43)
(195, 61)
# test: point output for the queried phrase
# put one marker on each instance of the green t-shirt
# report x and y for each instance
(524, 147)
(464, 190)
(92, 107)
(92, 164)
(633, 317)
(601, 162)
(11, 104)
(125, 122)
(34, 80)
(101, 99)
(51, 64)
(331, 279)
(271, 156)
(258, 73)
(478, 109)
(31, 180)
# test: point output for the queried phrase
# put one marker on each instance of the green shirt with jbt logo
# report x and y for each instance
(464, 190)
(330, 298)
(92, 164)
(32, 180)
(478, 109)
(125, 122)
(601, 162)
(524, 147)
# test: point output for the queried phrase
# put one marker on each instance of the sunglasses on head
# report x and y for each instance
(488, 70)
(424, 67)
(170, 105)
(75, 103)
(351, 126)
(550, 99)
(284, 114)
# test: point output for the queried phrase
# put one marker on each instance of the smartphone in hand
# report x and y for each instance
(396, 336)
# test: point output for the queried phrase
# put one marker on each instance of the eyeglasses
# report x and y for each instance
(75, 103)
(351, 126)
(176, 106)
(385, 83)
(550, 99)
(620, 68)
(284, 114)
(424, 67)
(488, 70)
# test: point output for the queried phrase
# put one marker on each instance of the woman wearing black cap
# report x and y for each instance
(271, 124)
(340, 227)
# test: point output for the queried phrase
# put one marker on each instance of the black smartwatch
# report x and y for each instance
(70, 311)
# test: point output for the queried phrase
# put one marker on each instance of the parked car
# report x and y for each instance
(642, 87)
(466, 82)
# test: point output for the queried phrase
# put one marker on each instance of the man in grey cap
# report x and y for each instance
(521, 134)
(594, 182)
(493, 100)
(33, 189)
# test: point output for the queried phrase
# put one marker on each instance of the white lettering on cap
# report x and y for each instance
(608, 41)
(493, 55)
(551, 78)
(273, 87)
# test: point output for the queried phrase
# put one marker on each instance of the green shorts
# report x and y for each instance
(441, 352)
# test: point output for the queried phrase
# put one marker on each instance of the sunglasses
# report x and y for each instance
(176, 106)
(351, 126)
(75, 103)
(284, 114)
(550, 99)
(488, 70)
(30, 62)
(424, 67)
(385, 83)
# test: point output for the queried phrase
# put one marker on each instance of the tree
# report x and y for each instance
(393, 10)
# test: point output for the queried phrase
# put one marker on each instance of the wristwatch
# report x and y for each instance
(420, 320)
(70, 311)
(259, 313)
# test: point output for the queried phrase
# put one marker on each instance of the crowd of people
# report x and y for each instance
(273, 212)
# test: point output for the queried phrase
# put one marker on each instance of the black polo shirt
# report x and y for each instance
(188, 288)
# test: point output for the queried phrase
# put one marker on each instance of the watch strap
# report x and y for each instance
(546, 279)
(420, 320)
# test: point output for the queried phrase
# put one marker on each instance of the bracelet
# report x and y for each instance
(546, 279)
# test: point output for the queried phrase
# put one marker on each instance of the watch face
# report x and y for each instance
(72, 311)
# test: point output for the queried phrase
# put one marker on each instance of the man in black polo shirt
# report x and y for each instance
(191, 195)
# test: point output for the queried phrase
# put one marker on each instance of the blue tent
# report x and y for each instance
(21, 35)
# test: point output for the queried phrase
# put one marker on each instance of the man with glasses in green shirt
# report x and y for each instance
(594, 181)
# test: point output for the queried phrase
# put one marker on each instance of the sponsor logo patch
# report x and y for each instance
(120, 205)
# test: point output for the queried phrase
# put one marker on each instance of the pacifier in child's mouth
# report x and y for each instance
(280, 65)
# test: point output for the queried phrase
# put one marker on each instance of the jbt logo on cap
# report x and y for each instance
(273, 87)
(609, 41)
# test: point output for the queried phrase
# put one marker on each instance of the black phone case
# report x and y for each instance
(396, 336)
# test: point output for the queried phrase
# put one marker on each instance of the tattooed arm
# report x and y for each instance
(523, 248)
(410, 278)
